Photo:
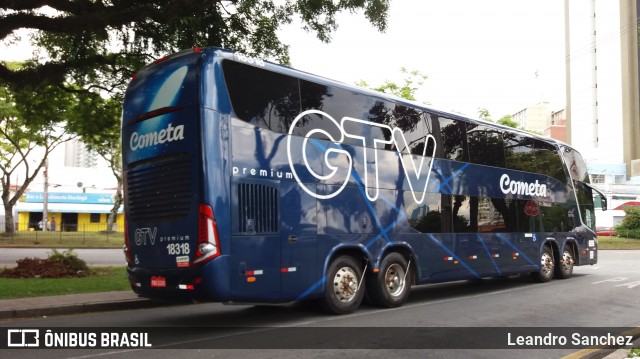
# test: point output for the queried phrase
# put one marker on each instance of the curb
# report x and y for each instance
(81, 307)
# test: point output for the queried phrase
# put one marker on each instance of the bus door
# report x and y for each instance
(255, 241)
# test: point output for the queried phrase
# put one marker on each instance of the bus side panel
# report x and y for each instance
(216, 193)
(300, 264)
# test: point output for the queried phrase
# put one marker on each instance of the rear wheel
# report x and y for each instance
(564, 267)
(390, 287)
(343, 289)
(545, 274)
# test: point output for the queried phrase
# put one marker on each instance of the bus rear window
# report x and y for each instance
(161, 88)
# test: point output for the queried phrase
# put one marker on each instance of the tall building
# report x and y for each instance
(534, 118)
(78, 155)
(603, 111)
(603, 99)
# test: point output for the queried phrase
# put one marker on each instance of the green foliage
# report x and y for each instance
(101, 43)
(484, 114)
(508, 121)
(102, 279)
(631, 219)
(30, 118)
(413, 80)
(69, 258)
(628, 233)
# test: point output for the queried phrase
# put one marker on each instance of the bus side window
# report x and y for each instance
(529, 216)
(426, 217)
(576, 164)
(412, 125)
(451, 137)
(548, 161)
(485, 145)
(464, 220)
(585, 204)
(262, 98)
(519, 153)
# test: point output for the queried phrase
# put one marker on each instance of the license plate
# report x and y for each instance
(158, 282)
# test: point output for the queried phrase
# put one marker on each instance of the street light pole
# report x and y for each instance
(45, 200)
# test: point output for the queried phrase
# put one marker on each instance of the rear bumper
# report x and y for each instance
(208, 282)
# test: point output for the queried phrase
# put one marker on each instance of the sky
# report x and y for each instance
(502, 55)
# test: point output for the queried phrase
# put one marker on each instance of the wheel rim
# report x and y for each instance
(394, 280)
(567, 261)
(546, 262)
(345, 284)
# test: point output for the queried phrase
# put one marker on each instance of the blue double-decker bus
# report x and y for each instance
(247, 181)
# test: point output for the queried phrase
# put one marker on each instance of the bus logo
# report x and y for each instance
(519, 187)
(153, 138)
(340, 162)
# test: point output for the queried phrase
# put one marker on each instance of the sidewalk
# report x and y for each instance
(72, 304)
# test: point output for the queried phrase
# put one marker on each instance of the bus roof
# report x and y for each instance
(289, 71)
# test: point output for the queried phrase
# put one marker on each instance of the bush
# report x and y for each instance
(631, 218)
(70, 259)
(627, 233)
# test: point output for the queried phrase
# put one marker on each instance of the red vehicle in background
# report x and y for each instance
(606, 231)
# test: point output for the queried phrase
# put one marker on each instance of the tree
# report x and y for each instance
(484, 114)
(407, 90)
(20, 139)
(95, 46)
(102, 135)
(507, 120)
(101, 43)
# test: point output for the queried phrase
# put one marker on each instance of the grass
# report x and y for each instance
(605, 242)
(104, 279)
(108, 279)
(63, 239)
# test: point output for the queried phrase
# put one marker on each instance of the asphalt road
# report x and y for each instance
(464, 314)
(93, 257)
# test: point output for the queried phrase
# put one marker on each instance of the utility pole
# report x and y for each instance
(45, 200)
(594, 75)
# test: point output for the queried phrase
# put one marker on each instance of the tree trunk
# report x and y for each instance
(113, 214)
(9, 225)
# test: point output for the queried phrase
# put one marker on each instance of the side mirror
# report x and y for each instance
(604, 202)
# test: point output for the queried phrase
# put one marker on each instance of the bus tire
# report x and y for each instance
(564, 267)
(546, 272)
(390, 287)
(343, 289)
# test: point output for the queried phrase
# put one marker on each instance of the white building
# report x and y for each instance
(534, 118)
(603, 99)
(603, 120)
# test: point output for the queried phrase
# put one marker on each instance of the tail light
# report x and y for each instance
(208, 246)
(127, 248)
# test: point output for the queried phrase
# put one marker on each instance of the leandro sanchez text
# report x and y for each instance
(575, 339)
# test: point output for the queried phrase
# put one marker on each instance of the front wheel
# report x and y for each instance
(343, 290)
(545, 274)
(390, 287)
(564, 268)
